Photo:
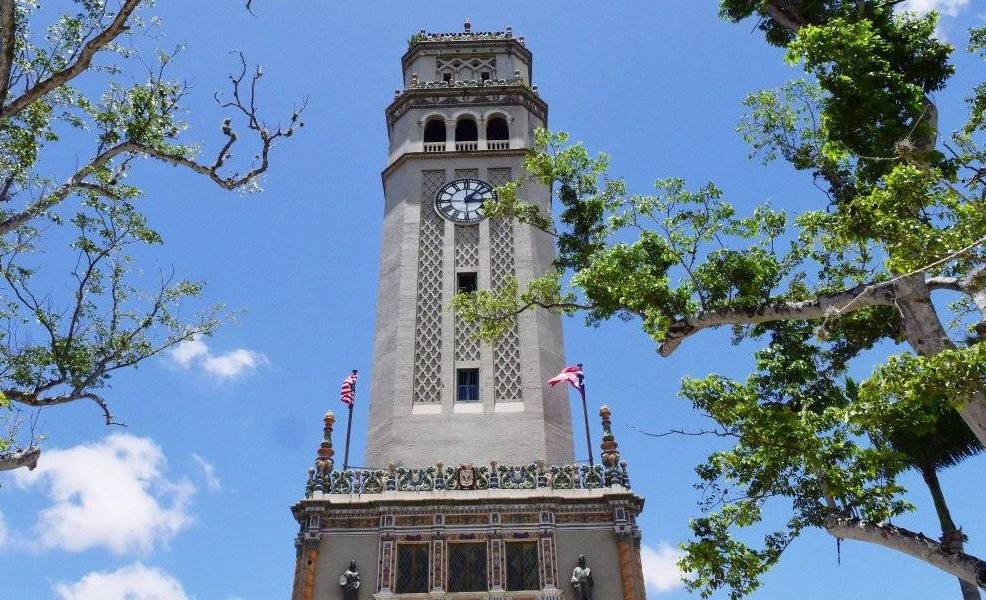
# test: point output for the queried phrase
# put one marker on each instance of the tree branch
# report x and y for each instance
(945, 283)
(81, 63)
(20, 458)
(36, 401)
(961, 565)
(791, 22)
(75, 182)
(878, 294)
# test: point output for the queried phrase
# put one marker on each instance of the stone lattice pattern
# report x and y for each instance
(466, 342)
(506, 352)
(467, 173)
(466, 246)
(466, 256)
(428, 323)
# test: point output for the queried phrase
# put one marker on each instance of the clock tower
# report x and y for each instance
(461, 127)
(470, 489)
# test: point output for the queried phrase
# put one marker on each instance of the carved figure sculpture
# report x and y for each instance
(349, 582)
(582, 580)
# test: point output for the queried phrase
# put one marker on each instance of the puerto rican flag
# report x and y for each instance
(573, 375)
(348, 392)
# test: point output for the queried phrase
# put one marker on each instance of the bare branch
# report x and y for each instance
(81, 63)
(700, 432)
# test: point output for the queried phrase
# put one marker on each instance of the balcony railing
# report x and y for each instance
(466, 146)
(434, 146)
(467, 477)
(498, 144)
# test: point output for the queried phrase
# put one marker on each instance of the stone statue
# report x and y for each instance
(349, 582)
(582, 580)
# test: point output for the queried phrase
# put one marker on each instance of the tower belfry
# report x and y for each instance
(470, 487)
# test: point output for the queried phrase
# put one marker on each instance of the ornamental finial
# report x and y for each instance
(467, 25)
(324, 461)
(610, 449)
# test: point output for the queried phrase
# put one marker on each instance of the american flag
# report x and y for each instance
(348, 392)
(573, 375)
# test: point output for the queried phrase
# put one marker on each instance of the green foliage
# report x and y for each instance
(804, 437)
(55, 350)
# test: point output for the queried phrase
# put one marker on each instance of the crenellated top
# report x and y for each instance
(466, 35)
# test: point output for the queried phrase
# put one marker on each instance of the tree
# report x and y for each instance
(55, 349)
(902, 217)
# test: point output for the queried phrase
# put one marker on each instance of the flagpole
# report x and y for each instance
(349, 428)
(585, 415)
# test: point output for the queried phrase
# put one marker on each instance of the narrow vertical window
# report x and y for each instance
(522, 566)
(465, 282)
(412, 568)
(467, 567)
(467, 388)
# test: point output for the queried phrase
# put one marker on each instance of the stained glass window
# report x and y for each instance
(467, 567)
(412, 568)
(522, 566)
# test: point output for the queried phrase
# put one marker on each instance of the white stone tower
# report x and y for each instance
(460, 127)
(470, 490)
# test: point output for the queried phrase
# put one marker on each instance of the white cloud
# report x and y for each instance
(112, 494)
(3, 531)
(186, 352)
(235, 363)
(661, 572)
(208, 473)
(948, 8)
(133, 582)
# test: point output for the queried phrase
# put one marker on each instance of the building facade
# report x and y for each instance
(471, 488)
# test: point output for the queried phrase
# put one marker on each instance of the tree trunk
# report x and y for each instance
(952, 537)
(927, 336)
(961, 565)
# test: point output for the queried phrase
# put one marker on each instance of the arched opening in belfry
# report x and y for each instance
(497, 129)
(466, 130)
(435, 131)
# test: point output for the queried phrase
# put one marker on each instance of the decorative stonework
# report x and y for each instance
(466, 96)
(428, 324)
(466, 246)
(455, 66)
(429, 479)
(506, 352)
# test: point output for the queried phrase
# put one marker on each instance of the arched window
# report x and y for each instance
(497, 134)
(496, 129)
(435, 131)
(465, 130)
(466, 134)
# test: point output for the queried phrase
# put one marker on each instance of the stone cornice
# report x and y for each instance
(411, 156)
(465, 499)
(443, 42)
(466, 95)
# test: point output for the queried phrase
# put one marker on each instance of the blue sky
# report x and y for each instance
(191, 498)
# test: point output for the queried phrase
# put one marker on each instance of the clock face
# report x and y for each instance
(461, 201)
